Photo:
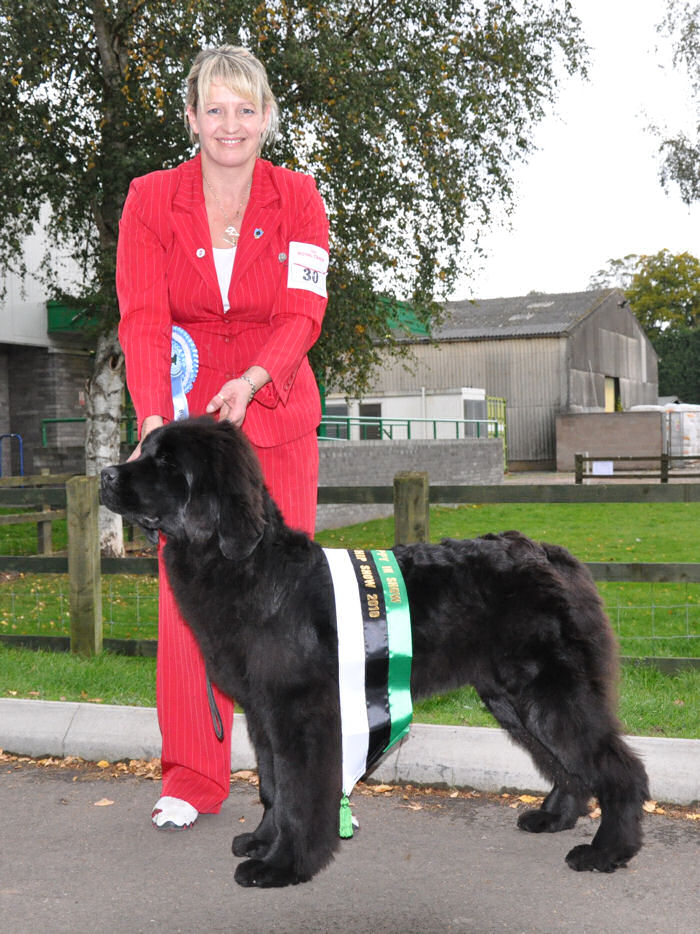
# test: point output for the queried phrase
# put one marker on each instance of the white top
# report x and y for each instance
(223, 260)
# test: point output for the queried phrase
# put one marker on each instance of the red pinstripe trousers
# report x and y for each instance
(196, 766)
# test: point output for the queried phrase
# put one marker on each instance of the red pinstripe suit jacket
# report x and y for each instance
(166, 275)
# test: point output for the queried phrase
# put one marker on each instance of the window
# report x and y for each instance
(370, 410)
(335, 429)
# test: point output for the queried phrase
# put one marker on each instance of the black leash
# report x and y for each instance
(215, 715)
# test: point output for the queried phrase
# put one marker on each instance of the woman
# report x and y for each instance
(233, 250)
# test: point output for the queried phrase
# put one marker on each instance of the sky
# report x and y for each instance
(592, 192)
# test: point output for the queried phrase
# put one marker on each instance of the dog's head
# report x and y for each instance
(198, 481)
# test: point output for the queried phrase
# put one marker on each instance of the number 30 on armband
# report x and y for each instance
(308, 265)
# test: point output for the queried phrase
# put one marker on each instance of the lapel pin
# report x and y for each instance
(201, 252)
(258, 232)
(282, 257)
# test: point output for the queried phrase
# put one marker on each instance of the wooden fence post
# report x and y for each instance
(411, 507)
(82, 505)
(578, 468)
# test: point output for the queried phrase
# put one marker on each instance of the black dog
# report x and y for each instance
(520, 621)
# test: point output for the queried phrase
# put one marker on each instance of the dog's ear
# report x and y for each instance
(240, 522)
(227, 498)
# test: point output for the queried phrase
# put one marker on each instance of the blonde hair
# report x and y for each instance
(238, 70)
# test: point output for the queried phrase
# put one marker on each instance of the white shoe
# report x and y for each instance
(173, 814)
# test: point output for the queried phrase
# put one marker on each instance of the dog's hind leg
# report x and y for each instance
(621, 788)
(560, 810)
(583, 755)
(568, 799)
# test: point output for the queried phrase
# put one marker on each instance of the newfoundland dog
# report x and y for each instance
(520, 621)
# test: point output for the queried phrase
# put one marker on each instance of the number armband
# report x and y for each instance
(308, 265)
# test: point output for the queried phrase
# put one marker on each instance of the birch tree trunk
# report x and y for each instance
(104, 401)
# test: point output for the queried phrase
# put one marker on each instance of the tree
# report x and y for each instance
(90, 95)
(682, 153)
(679, 364)
(663, 290)
(420, 110)
(616, 274)
(410, 113)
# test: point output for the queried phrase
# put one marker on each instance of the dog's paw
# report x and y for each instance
(539, 821)
(586, 858)
(255, 872)
(247, 844)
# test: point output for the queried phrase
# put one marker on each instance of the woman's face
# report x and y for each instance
(229, 128)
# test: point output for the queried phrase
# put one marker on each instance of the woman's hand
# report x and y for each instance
(150, 422)
(234, 397)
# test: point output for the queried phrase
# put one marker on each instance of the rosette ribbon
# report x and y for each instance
(184, 364)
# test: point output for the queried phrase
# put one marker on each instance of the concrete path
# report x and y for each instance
(432, 755)
(79, 856)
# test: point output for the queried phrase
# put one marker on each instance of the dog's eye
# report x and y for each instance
(165, 459)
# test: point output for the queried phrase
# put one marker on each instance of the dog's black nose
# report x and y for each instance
(109, 476)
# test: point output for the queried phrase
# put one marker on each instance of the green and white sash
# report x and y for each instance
(374, 660)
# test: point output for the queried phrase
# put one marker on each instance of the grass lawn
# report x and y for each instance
(649, 619)
(651, 703)
(661, 619)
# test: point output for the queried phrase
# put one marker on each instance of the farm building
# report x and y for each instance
(545, 355)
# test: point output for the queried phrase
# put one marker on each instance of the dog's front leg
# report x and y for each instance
(257, 844)
(303, 816)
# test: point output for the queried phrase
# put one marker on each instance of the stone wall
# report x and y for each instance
(375, 463)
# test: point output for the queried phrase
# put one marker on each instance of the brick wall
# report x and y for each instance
(4, 411)
(45, 384)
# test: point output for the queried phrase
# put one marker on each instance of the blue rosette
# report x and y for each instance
(184, 364)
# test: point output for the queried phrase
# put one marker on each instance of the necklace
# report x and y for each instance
(231, 233)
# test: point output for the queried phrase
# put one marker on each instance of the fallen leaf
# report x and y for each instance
(529, 799)
(103, 803)
(649, 806)
(103, 764)
(380, 789)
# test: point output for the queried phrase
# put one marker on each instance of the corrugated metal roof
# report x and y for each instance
(527, 316)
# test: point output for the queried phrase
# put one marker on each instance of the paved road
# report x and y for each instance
(419, 865)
